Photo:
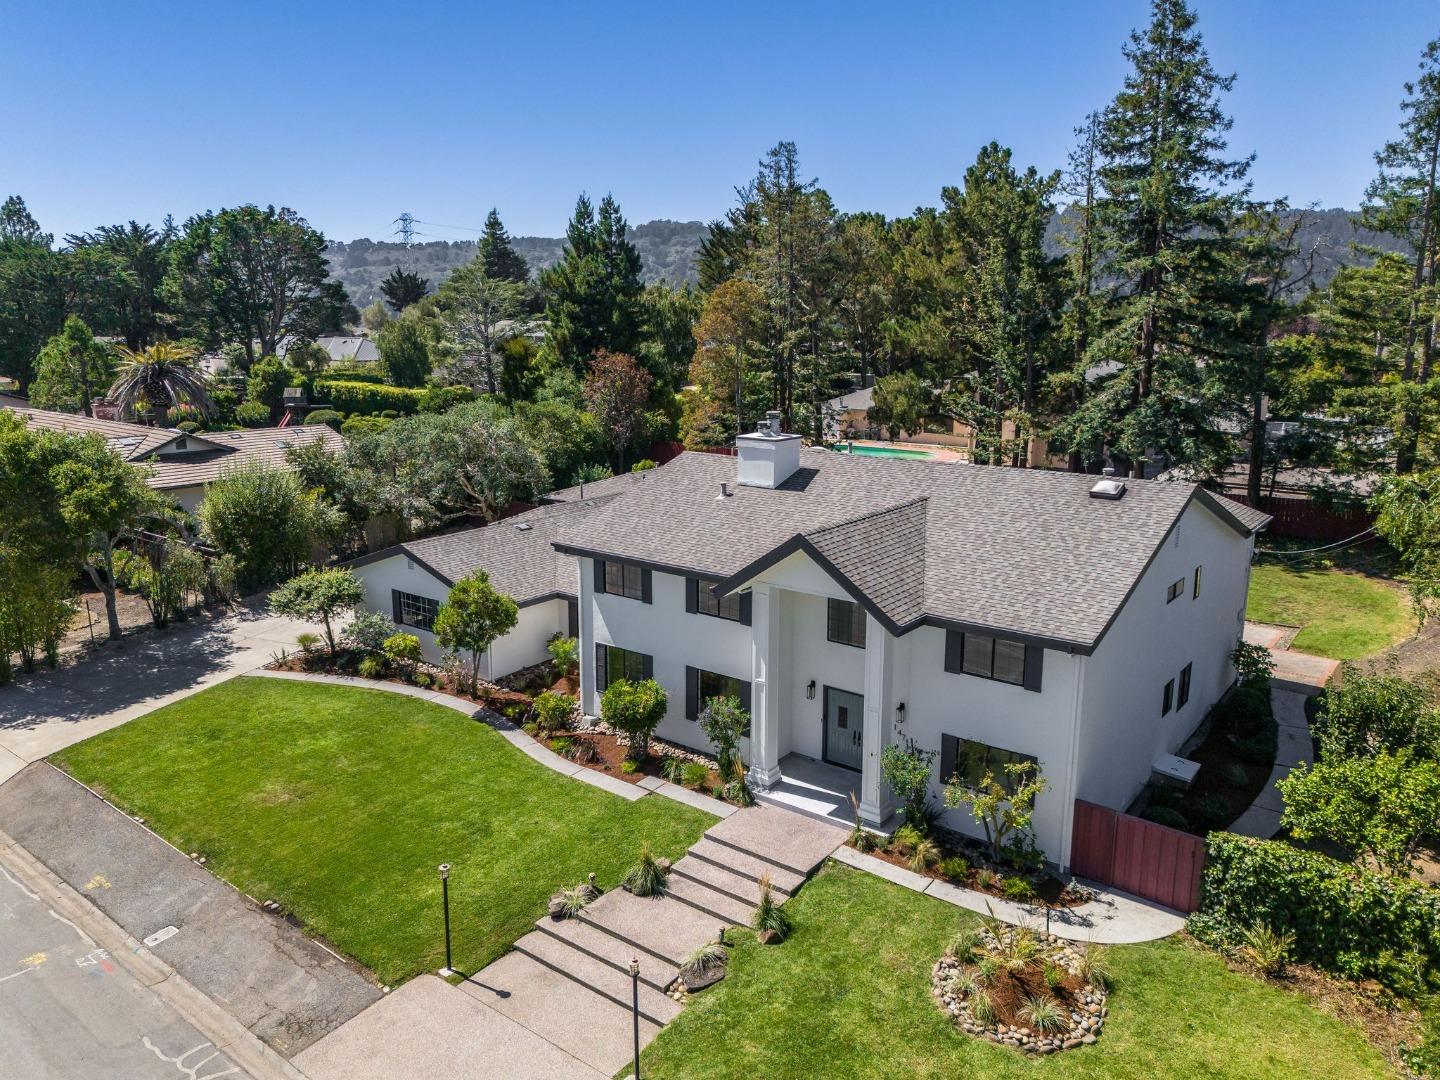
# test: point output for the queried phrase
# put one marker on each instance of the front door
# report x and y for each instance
(844, 743)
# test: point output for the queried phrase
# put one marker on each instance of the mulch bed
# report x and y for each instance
(509, 703)
(1050, 891)
(610, 752)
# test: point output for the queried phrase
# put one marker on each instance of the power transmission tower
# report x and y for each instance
(406, 230)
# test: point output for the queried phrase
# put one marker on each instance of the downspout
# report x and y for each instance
(1067, 826)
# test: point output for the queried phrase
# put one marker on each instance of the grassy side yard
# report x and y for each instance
(848, 995)
(340, 803)
(1342, 615)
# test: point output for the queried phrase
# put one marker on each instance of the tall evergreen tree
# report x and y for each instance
(593, 294)
(133, 304)
(499, 257)
(1169, 196)
(33, 290)
(1403, 202)
(402, 287)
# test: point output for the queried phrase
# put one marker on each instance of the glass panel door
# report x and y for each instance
(844, 728)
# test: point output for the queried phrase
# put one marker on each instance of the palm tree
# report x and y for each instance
(160, 377)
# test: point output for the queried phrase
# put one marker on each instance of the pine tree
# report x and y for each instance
(498, 255)
(1168, 199)
(403, 288)
(593, 294)
(1403, 201)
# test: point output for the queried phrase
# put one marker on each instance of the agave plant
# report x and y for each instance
(160, 377)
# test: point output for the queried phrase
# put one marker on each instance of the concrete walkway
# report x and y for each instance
(1297, 671)
(1294, 746)
(51, 710)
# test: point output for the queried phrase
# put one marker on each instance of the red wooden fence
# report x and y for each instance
(1137, 856)
(1305, 519)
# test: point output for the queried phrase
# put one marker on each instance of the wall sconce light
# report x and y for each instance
(900, 713)
(810, 690)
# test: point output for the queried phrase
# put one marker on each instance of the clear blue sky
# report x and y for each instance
(352, 112)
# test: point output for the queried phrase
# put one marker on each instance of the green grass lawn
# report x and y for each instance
(848, 995)
(340, 803)
(1342, 615)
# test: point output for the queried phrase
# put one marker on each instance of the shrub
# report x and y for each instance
(372, 667)
(1054, 974)
(328, 417)
(724, 723)
(368, 631)
(1043, 1014)
(906, 839)
(1235, 775)
(906, 769)
(673, 769)
(1253, 664)
(554, 712)
(1243, 711)
(1267, 949)
(643, 465)
(365, 398)
(635, 708)
(253, 414)
(403, 650)
(769, 915)
(925, 856)
(1018, 889)
(695, 774)
(1167, 816)
(187, 426)
(647, 876)
(560, 746)
(423, 678)
(629, 766)
(1343, 918)
(363, 425)
(704, 959)
(1209, 812)
(956, 867)
(963, 944)
(564, 651)
(439, 399)
(1371, 711)
(985, 878)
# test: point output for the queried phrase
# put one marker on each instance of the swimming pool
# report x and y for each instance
(886, 451)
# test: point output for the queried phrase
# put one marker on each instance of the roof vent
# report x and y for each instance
(523, 526)
(1108, 489)
(1108, 470)
(724, 490)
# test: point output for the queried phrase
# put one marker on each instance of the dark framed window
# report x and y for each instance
(845, 623)
(992, 658)
(1176, 588)
(968, 761)
(622, 579)
(1195, 593)
(1168, 700)
(701, 686)
(413, 610)
(613, 663)
(700, 599)
(1184, 686)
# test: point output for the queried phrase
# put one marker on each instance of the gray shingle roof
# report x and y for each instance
(611, 485)
(1025, 552)
(517, 552)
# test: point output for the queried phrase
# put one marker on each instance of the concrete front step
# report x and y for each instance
(789, 841)
(745, 890)
(744, 865)
(661, 927)
(573, 1017)
(702, 897)
(608, 949)
(597, 976)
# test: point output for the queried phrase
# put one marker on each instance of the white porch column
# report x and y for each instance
(879, 658)
(764, 688)
(589, 705)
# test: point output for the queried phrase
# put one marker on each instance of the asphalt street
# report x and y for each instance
(68, 1011)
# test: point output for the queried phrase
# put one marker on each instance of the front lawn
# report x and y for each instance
(848, 995)
(1342, 614)
(341, 802)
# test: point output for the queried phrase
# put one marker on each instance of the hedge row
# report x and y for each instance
(347, 396)
(1351, 921)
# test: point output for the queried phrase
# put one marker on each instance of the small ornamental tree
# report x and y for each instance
(473, 616)
(725, 723)
(1001, 808)
(563, 653)
(1364, 712)
(1379, 807)
(635, 708)
(906, 769)
(616, 391)
(1253, 664)
(319, 594)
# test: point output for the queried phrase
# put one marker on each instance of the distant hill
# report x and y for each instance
(668, 250)
(667, 253)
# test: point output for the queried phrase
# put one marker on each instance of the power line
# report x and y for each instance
(458, 228)
(1311, 551)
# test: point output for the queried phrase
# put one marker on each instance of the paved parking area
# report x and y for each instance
(67, 1009)
(278, 983)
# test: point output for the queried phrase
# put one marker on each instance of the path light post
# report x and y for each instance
(449, 968)
(635, 1009)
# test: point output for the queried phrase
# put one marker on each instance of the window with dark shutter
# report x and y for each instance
(413, 610)
(613, 663)
(1176, 588)
(1184, 686)
(707, 603)
(845, 623)
(702, 686)
(988, 657)
(967, 761)
(622, 579)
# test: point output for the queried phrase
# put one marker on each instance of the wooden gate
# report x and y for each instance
(1137, 856)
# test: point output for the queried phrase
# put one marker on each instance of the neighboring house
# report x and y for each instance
(179, 464)
(355, 348)
(410, 581)
(989, 614)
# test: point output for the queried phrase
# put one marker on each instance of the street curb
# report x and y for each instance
(209, 1018)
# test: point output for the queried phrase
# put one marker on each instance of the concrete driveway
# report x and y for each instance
(50, 710)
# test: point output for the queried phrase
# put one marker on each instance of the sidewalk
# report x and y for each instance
(51, 710)
(1262, 820)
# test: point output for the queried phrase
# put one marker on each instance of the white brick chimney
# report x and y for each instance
(767, 456)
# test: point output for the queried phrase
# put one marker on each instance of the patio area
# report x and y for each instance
(818, 790)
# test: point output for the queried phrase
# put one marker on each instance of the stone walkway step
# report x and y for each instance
(559, 1010)
(702, 897)
(743, 864)
(789, 841)
(597, 976)
(608, 949)
(736, 886)
(661, 926)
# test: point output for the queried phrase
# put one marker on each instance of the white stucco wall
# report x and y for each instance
(523, 646)
(1122, 731)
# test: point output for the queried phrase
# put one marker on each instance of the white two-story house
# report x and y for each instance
(988, 614)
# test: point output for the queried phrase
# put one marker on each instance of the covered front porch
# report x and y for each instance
(819, 790)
